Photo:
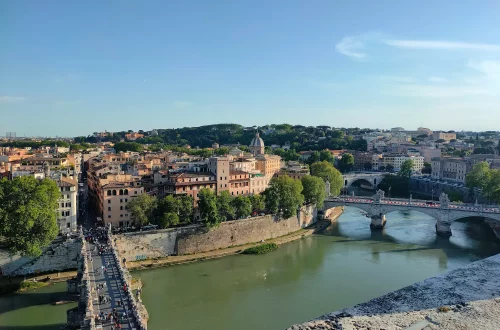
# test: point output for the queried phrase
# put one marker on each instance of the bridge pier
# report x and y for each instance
(378, 221)
(443, 228)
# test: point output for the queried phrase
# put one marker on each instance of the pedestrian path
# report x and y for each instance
(107, 283)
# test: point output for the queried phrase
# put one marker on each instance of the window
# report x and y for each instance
(121, 207)
(126, 200)
(135, 192)
(109, 193)
(67, 213)
(68, 225)
(109, 201)
(121, 200)
(121, 215)
(114, 192)
(126, 191)
(109, 208)
(68, 189)
(126, 215)
(109, 216)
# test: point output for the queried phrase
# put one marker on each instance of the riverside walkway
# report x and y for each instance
(112, 285)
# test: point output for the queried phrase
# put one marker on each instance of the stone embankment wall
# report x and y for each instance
(197, 239)
(151, 244)
(239, 232)
(60, 255)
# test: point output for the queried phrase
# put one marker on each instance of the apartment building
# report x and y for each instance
(220, 167)
(114, 192)
(239, 183)
(268, 165)
(444, 136)
(189, 183)
(454, 169)
(396, 160)
(68, 206)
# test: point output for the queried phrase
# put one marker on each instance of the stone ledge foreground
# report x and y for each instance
(472, 293)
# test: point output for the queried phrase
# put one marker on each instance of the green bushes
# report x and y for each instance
(30, 285)
(261, 249)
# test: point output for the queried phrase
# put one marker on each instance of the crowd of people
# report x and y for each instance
(102, 245)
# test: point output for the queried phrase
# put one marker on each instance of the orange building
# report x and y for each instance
(239, 183)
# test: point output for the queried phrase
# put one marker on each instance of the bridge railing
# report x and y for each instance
(137, 306)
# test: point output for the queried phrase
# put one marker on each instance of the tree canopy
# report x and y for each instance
(142, 208)
(207, 205)
(326, 171)
(28, 214)
(225, 207)
(242, 206)
(314, 190)
(284, 196)
(346, 163)
(406, 169)
(479, 176)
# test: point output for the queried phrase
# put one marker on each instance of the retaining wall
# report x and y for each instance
(197, 239)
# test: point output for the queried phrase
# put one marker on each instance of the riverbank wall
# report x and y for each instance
(199, 239)
(60, 255)
(464, 298)
(182, 259)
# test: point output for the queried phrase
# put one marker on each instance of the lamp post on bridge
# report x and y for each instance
(432, 194)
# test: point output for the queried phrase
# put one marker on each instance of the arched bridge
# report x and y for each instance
(443, 211)
(373, 179)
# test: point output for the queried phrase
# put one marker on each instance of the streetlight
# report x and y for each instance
(432, 194)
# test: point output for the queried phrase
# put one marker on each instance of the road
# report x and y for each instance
(113, 289)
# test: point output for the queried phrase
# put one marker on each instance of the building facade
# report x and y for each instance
(452, 169)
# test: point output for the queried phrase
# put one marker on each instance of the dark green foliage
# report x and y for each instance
(395, 186)
(142, 208)
(261, 249)
(406, 169)
(128, 146)
(314, 190)
(326, 171)
(242, 206)
(346, 163)
(28, 214)
(284, 196)
(225, 206)
(208, 207)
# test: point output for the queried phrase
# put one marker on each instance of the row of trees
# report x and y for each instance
(28, 214)
(283, 197)
(488, 180)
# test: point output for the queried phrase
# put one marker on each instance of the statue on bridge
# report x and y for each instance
(378, 196)
(444, 200)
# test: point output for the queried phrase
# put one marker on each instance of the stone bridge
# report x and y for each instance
(118, 289)
(373, 179)
(443, 211)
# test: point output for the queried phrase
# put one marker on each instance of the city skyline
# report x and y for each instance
(72, 69)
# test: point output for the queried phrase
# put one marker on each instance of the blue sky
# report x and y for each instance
(72, 68)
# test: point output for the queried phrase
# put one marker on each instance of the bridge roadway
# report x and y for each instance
(113, 289)
(420, 204)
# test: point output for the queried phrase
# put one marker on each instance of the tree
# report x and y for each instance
(326, 155)
(224, 206)
(314, 157)
(207, 205)
(28, 214)
(406, 169)
(314, 190)
(128, 146)
(427, 168)
(186, 203)
(389, 168)
(395, 186)
(346, 163)
(326, 171)
(242, 206)
(284, 196)
(367, 166)
(258, 203)
(142, 208)
(167, 220)
(479, 176)
(492, 189)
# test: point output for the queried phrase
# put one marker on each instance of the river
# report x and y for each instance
(344, 265)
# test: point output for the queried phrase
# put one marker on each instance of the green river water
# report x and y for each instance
(344, 265)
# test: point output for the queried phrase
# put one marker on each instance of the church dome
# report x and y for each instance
(257, 141)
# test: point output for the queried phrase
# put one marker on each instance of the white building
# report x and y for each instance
(67, 211)
(396, 161)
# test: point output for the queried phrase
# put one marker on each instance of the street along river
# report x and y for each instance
(344, 265)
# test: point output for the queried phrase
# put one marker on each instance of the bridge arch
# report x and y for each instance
(372, 179)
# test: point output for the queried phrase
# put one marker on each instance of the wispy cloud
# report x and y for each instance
(351, 46)
(488, 67)
(445, 45)
(437, 79)
(11, 99)
(182, 104)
